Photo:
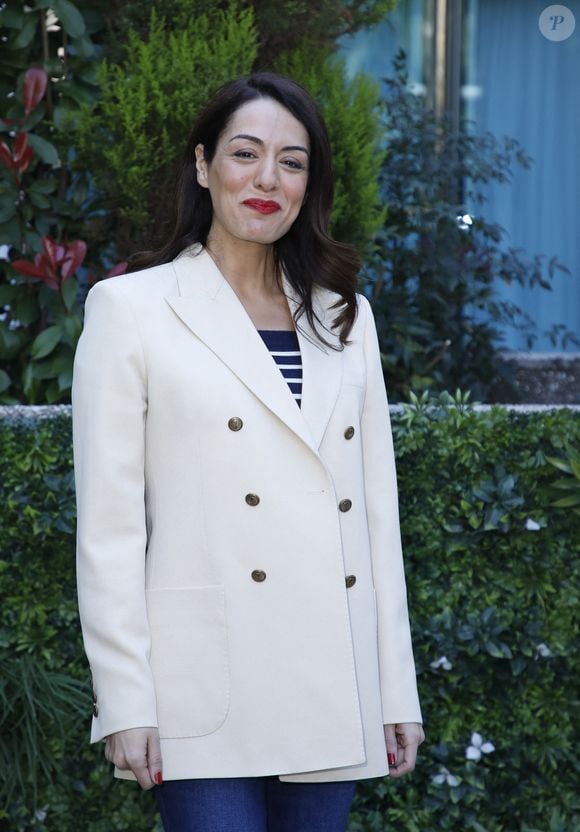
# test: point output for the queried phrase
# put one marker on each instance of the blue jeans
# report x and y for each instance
(253, 804)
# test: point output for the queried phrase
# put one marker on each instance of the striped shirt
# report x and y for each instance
(284, 347)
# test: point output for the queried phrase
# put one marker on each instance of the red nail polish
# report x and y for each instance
(158, 779)
(392, 759)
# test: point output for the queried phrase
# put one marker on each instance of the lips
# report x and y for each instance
(263, 206)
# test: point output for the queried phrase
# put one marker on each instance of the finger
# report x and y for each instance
(391, 744)
(141, 772)
(154, 761)
(407, 760)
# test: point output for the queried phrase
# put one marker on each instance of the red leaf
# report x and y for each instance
(27, 268)
(54, 252)
(20, 146)
(120, 268)
(75, 255)
(35, 81)
(49, 275)
(6, 156)
(26, 159)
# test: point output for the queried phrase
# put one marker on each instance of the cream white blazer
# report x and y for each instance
(240, 575)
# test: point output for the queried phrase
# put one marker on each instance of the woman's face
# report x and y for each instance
(258, 176)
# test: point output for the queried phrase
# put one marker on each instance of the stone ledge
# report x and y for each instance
(543, 377)
(21, 412)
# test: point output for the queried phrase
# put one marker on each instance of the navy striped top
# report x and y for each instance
(284, 348)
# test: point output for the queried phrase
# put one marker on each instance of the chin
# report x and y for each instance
(262, 236)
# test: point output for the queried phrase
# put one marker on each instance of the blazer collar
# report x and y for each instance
(210, 308)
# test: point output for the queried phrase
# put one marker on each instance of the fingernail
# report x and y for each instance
(392, 759)
(158, 779)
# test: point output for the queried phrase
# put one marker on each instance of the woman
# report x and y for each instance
(241, 585)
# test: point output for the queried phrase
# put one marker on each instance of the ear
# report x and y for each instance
(201, 165)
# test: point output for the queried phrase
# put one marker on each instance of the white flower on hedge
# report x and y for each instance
(445, 776)
(532, 526)
(443, 662)
(543, 651)
(478, 747)
(4, 252)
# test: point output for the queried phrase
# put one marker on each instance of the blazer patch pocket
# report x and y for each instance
(189, 659)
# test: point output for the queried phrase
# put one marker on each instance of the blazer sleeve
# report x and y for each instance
(396, 664)
(109, 404)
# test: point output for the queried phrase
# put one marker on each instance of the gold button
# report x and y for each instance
(350, 580)
(345, 505)
(349, 432)
(258, 575)
(252, 499)
(235, 423)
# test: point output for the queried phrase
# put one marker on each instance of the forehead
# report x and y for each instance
(267, 120)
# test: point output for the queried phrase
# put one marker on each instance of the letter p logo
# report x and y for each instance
(557, 22)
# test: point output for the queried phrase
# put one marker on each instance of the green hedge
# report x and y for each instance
(493, 581)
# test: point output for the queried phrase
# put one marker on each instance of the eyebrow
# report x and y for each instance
(256, 140)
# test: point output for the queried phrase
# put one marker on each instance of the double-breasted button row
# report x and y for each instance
(345, 505)
(252, 499)
(258, 575)
(235, 423)
(349, 432)
(350, 580)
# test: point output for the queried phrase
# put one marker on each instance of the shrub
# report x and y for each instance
(493, 582)
(133, 136)
(352, 114)
(433, 278)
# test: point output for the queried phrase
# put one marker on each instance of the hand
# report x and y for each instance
(137, 750)
(403, 741)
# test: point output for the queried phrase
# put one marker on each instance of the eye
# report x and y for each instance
(245, 154)
(293, 164)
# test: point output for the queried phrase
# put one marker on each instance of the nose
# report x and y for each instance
(266, 177)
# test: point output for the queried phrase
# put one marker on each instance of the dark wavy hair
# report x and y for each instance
(306, 253)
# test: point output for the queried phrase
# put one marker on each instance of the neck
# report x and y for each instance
(248, 267)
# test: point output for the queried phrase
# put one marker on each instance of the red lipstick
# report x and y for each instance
(263, 206)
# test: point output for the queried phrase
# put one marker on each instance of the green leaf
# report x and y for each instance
(72, 327)
(51, 368)
(5, 381)
(69, 292)
(35, 117)
(84, 47)
(39, 200)
(12, 19)
(70, 17)
(559, 463)
(65, 117)
(7, 211)
(27, 32)
(53, 393)
(46, 185)
(494, 650)
(10, 232)
(6, 294)
(45, 342)
(65, 378)
(25, 307)
(45, 150)
(567, 502)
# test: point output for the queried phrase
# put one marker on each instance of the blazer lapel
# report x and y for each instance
(321, 366)
(210, 308)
